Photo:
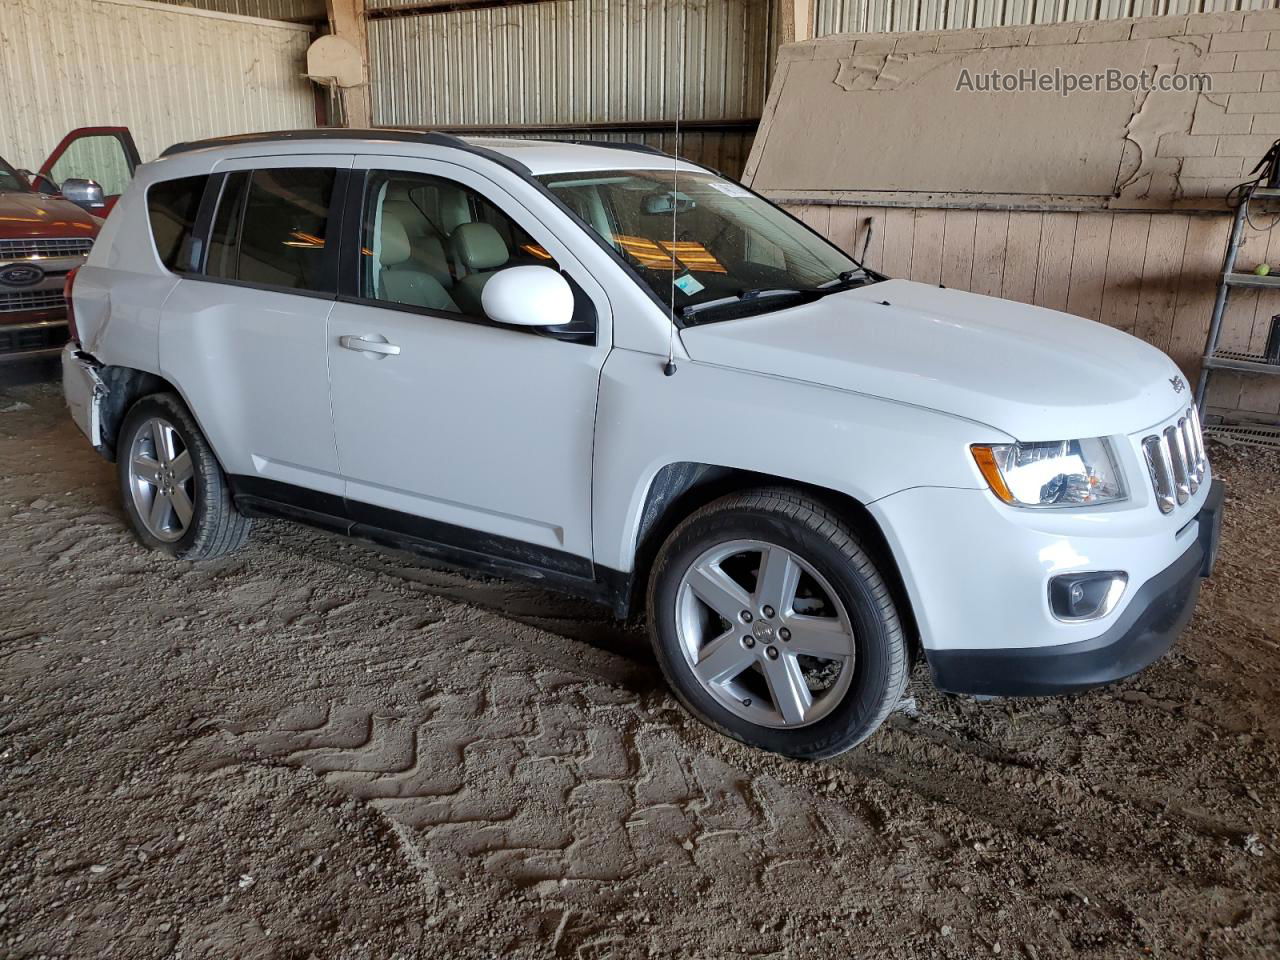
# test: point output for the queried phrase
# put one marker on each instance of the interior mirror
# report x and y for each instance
(669, 202)
(84, 193)
(528, 297)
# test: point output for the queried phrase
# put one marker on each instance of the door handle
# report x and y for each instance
(364, 345)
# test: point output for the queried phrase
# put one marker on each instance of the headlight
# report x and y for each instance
(1060, 473)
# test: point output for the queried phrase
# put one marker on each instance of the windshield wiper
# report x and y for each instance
(847, 278)
(743, 297)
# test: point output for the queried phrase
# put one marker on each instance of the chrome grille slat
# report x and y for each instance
(1161, 472)
(1197, 435)
(31, 300)
(1178, 456)
(1189, 448)
(1176, 460)
(29, 249)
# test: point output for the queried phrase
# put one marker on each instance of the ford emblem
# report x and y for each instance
(20, 275)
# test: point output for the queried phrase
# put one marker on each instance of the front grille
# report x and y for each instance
(31, 300)
(44, 247)
(1176, 460)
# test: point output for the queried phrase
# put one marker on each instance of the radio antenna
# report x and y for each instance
(670, 367)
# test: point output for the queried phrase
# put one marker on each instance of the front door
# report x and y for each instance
(450, 427)
(105, 155)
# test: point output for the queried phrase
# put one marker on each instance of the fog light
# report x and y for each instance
(1086, 596)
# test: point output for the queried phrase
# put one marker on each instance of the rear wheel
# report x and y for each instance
(773, 625)
(175, 493)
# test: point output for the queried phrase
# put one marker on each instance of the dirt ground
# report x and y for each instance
(317, 748)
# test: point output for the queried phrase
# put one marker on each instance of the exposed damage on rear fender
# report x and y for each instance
(86, 393)
(99, 396)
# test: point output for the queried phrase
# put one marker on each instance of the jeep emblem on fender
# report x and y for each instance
(1178, 384)
(21, 275)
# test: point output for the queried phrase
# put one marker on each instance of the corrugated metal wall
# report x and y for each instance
(266, 9)
(586, 62)
(173, 74)
(571, 61)
(891, 16)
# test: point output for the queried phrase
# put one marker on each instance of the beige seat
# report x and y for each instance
(481, 252)
(401, 279)
(425, 244)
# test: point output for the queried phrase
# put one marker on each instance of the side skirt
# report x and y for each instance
(444, 543)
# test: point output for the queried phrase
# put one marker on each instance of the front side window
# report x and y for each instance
(171, 210)
(433, 243)
(732, 253)
(269, 229)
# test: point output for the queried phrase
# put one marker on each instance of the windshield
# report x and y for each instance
(733, 253)
(10, 180)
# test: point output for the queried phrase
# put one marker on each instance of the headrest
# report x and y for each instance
(452, 208)
(404, 211)
(395, 241)
(479, 246)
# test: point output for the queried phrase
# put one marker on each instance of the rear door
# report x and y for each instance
(105, 155)
(244, 330)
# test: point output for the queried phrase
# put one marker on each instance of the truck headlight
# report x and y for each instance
(1059, 473)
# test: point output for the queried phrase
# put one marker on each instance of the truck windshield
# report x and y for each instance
(10, 180)
(733, 253)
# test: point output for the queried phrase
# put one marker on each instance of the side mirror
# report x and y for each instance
(528, 297)
(83, 193)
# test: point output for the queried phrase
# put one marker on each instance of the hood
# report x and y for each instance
(25, 215)
(1033, 373)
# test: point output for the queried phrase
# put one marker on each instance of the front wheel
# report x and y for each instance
(773, 626)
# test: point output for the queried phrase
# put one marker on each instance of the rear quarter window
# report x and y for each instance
(171, 210)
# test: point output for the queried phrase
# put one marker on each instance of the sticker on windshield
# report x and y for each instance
(688, 285)
(731, 189)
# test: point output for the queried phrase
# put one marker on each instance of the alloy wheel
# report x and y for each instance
(162, 480)
(765, 634)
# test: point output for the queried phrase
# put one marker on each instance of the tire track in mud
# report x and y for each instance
(510, 764)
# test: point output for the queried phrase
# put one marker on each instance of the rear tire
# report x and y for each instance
(175, 494)
(799, 649)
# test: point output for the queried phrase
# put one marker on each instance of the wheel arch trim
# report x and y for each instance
(677, 489)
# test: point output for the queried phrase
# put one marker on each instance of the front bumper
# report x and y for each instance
(1144, 632)
(34, 340)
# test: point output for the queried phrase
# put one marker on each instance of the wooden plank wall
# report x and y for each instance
(1151, 275)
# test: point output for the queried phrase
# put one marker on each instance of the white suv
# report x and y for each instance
(623, 376)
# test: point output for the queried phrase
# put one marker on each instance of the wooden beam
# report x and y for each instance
(347, 19)
(797, 20)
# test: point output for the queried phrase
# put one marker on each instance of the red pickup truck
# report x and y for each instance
(48, 222)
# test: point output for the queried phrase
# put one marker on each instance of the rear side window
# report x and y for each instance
(171, 209)
(270, 229)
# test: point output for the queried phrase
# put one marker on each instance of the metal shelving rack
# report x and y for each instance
(1215, 358)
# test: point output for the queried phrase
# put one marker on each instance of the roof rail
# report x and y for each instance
(427, 137)
(431, 137)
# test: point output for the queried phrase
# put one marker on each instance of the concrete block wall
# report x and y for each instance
(1144, 261)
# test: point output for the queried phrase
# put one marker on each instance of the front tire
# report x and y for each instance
(175, 494)
(773, 626)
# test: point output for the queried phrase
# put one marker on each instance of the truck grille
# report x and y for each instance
(44, 247)
(31, 300)
(1176, 460)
